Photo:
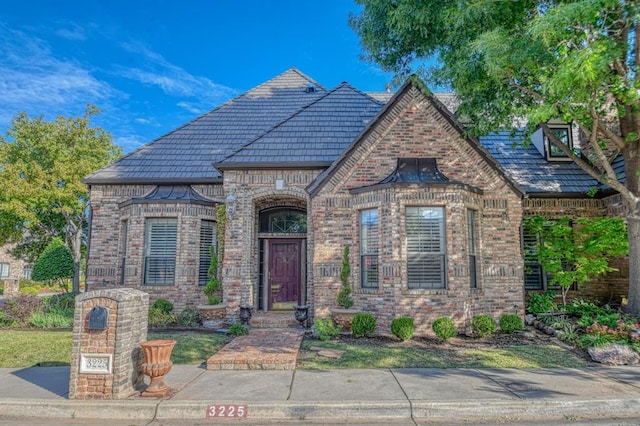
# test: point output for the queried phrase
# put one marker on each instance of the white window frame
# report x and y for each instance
(5, 269)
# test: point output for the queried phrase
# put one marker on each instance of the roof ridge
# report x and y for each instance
(302, 109)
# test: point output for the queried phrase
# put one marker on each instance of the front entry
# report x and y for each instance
(284, 275)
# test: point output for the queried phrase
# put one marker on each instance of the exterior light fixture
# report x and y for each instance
(231, 202)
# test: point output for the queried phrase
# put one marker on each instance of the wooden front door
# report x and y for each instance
(284, 276)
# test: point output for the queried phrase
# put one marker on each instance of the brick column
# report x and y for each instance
(108, 327)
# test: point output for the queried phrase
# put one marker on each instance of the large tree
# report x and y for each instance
(539, 60)
(41, 167)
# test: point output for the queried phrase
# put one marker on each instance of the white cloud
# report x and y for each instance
(175, 81)
(129, 142)
(32, 79)
(72, 31)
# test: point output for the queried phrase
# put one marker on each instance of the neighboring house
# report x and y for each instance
(12, 268)
(433, 218)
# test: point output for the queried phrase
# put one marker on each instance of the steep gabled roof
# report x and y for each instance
(413, 81)
(312, 137)
(536, 175)
(187, 154)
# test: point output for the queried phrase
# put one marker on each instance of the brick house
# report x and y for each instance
(432, 217)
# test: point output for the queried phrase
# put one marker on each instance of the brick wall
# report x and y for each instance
(104, 265)
(414, 128)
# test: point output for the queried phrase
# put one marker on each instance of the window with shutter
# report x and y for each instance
(473, 243)
(160, 251)
(426, 247)
(369, 248)
(534, 278)
(207, 239)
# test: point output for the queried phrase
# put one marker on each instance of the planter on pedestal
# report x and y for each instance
(213, 316)
(157, 363)
(344, 317)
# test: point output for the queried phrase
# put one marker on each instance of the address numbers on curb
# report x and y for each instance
(227, 411)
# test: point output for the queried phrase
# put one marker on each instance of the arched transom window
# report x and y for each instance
(285, 220)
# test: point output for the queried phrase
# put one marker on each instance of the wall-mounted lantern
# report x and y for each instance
(231, 202)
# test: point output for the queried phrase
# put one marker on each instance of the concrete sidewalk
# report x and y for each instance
(335, 396)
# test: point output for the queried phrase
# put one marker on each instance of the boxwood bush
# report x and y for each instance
(483, 325)
(510, 323)
(364, 324)
(445, 328)
(402, 327)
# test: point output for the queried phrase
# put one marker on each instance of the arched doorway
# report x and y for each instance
(282, 233)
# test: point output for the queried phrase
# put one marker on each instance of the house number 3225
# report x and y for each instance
(227, 410)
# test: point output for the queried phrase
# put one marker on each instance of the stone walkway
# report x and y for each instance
(261, 349)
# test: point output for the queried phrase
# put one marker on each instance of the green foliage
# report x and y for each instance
(189, 317)
(444, 328)
(507, 60)
(325, 329)
(51, 319)
(510, 323)
(483, 325)
(237, 329)
(580, 307)
(55, 264)
(19, 309)
(538, 303)
(212, 289)
(3, 320)
(159, 318)
(403, 328)
(162, 305)
(576, 251)
(42, 165)
(364, 324)
(344, 295)
(66, 301)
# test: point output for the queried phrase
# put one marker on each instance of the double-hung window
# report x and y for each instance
(369, 242)
(160, 251)
(4, 270)
(426, 248)
(207, 240)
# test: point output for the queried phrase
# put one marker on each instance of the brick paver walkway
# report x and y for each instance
(261, 349)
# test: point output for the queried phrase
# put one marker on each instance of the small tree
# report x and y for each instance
(577, 254)
(213, 286)
(344, 296)
(55, 264)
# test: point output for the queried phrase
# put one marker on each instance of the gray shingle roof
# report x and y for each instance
(187, 154)
(316, 135)
(531, 171)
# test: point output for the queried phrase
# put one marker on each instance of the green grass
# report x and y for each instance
(512, 356)
(44, 348)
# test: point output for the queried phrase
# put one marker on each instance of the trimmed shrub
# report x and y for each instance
(483, 325)
(158, 318)
(55, 264)
(402, 328)
(510, 323)
(445, 328)
(65, 301)
(325, 329)
(345, 300)
(189, 317)
(163, 305)
(364, 324)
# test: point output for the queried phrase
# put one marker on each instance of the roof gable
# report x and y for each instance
(187, 153)
(404, 96)
(314, 136)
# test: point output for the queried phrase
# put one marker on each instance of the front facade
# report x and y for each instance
(432, 218)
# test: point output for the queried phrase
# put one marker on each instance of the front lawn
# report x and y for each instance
(45, 348)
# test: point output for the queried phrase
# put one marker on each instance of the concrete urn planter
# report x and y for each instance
(157, 363)
(213, 316)
(344, 317)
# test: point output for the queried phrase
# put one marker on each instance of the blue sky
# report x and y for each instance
(151, 66)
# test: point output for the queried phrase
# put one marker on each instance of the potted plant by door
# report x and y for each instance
(344, 313)
(214, 312)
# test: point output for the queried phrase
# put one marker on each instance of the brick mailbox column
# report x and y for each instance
(108, 327)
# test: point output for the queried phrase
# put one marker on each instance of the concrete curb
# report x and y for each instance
(361, 411)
